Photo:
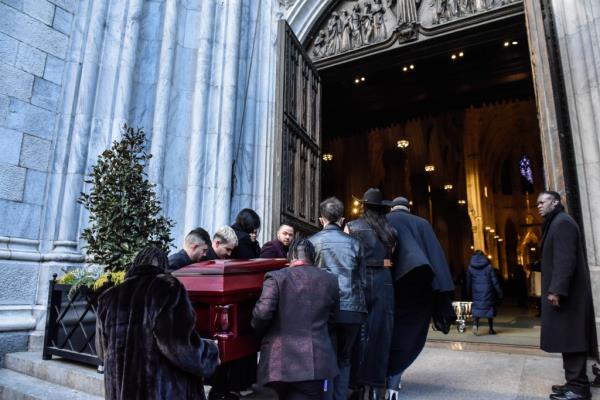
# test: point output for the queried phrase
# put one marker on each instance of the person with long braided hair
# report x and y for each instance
(378, 240)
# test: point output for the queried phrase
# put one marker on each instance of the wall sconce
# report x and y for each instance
(448, 186)
(487, 228)
(496, 237)
(402, 144)
(500, 240)
(429, 168)
(327, 156)
(490, 256)
(492, 230)
(462, 202)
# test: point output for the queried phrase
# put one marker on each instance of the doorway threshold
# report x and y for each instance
(488, 347)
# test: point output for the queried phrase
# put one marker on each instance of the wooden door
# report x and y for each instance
(297, 137)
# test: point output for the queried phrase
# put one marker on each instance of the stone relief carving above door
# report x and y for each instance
(356, 24)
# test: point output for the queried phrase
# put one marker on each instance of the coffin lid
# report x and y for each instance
(231, 267)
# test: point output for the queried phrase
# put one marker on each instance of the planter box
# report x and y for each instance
(71, 324)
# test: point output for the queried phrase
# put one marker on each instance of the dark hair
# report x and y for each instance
(197, 234)
(553, 194)
(153, 256)
(479, 252)
(302, 249)
(248, 220)
(332, 209)
(375, 217)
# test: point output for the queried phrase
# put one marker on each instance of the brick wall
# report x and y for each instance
(34, 36)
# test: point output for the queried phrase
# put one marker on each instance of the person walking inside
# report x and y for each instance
(146, 336)
(422, 279)
(341, 255)
(297, 358)
(378, 240)
(485, 290)
(568, 324)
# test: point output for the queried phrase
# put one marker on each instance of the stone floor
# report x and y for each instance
(454, 371)
(445, 370)
(514, 326)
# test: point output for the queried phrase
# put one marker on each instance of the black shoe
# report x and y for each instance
(560, 389)
(568, 395)
(492, 332)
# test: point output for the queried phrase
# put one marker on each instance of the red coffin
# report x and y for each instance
(223, 293)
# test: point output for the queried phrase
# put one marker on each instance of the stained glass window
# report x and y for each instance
(525, 169)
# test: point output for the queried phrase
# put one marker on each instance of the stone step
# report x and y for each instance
(36, 341)
(17, 386)
(57, 371)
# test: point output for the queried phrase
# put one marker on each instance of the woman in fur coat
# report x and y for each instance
(146, 336)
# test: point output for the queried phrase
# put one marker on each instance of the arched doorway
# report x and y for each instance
(453, 113)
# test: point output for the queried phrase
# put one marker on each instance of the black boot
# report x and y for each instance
(491, 324)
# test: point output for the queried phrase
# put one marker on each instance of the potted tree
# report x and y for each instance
(124, 217)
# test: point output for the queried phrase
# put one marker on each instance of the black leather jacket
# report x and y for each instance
(341, 255)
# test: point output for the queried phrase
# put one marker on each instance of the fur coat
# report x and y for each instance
(146, 338)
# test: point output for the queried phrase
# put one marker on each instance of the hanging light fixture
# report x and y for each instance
(402, 144)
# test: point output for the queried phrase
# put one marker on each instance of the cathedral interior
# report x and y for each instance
(451, 124)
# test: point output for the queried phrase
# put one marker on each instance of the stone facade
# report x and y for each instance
(199, 76)
(34, 42)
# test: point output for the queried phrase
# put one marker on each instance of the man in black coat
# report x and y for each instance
(146, 336)
(195, 245)
(568, 324)
(223, 244)
(293, 312)
(422, 277)
(278, 247)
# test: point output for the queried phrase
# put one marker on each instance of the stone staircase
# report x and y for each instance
(26, 376)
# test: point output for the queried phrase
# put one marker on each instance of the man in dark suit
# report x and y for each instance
(278, 247)
(568, 324)
(421, 278)
(297, 358)
(194, 249)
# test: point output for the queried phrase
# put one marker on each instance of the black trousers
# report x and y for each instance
(575, 365)
(344, 337)
(304, 390)
(412, 315)
(234, 376)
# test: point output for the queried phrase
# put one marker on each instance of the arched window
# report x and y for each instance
(526, 174)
